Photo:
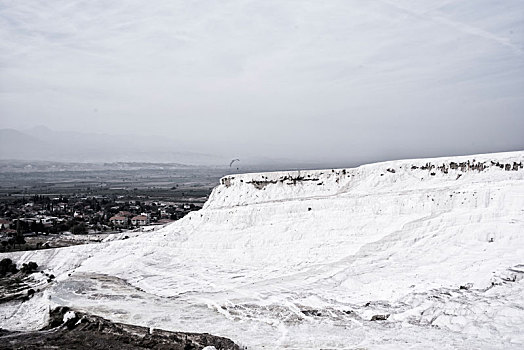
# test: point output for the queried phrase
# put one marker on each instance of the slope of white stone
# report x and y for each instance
(306, 259)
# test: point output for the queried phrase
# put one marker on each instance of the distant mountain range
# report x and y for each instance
(42, 143)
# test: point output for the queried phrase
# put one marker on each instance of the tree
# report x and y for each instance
(79, 229)
(19, 238)
(29, 267)
(6, 265)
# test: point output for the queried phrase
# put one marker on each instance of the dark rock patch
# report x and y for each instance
(312, 312)
(380, 317)
(83, 331)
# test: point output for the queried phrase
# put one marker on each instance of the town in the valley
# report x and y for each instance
(40, 208)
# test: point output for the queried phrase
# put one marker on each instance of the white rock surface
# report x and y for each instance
(304, 260)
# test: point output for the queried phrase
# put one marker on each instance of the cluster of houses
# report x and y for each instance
(125, 218)
(41, 214)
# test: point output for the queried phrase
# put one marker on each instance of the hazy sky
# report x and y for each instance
(308, 79)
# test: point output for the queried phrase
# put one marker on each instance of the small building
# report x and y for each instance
(140, 220)
(4, 224)
(118, 220)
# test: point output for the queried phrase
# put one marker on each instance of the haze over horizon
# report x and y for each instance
(345, 81)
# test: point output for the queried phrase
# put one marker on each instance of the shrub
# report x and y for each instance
(7, 266)
(29, 267)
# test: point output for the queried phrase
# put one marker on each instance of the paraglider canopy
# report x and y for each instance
(234, 160)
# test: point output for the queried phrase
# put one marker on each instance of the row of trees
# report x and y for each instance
(74, 225)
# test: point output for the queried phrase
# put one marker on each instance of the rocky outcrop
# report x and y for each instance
(68, 329)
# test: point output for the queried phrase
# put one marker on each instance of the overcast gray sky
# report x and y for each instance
(305, 79)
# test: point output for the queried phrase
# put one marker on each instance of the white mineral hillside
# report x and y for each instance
(319, 259)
